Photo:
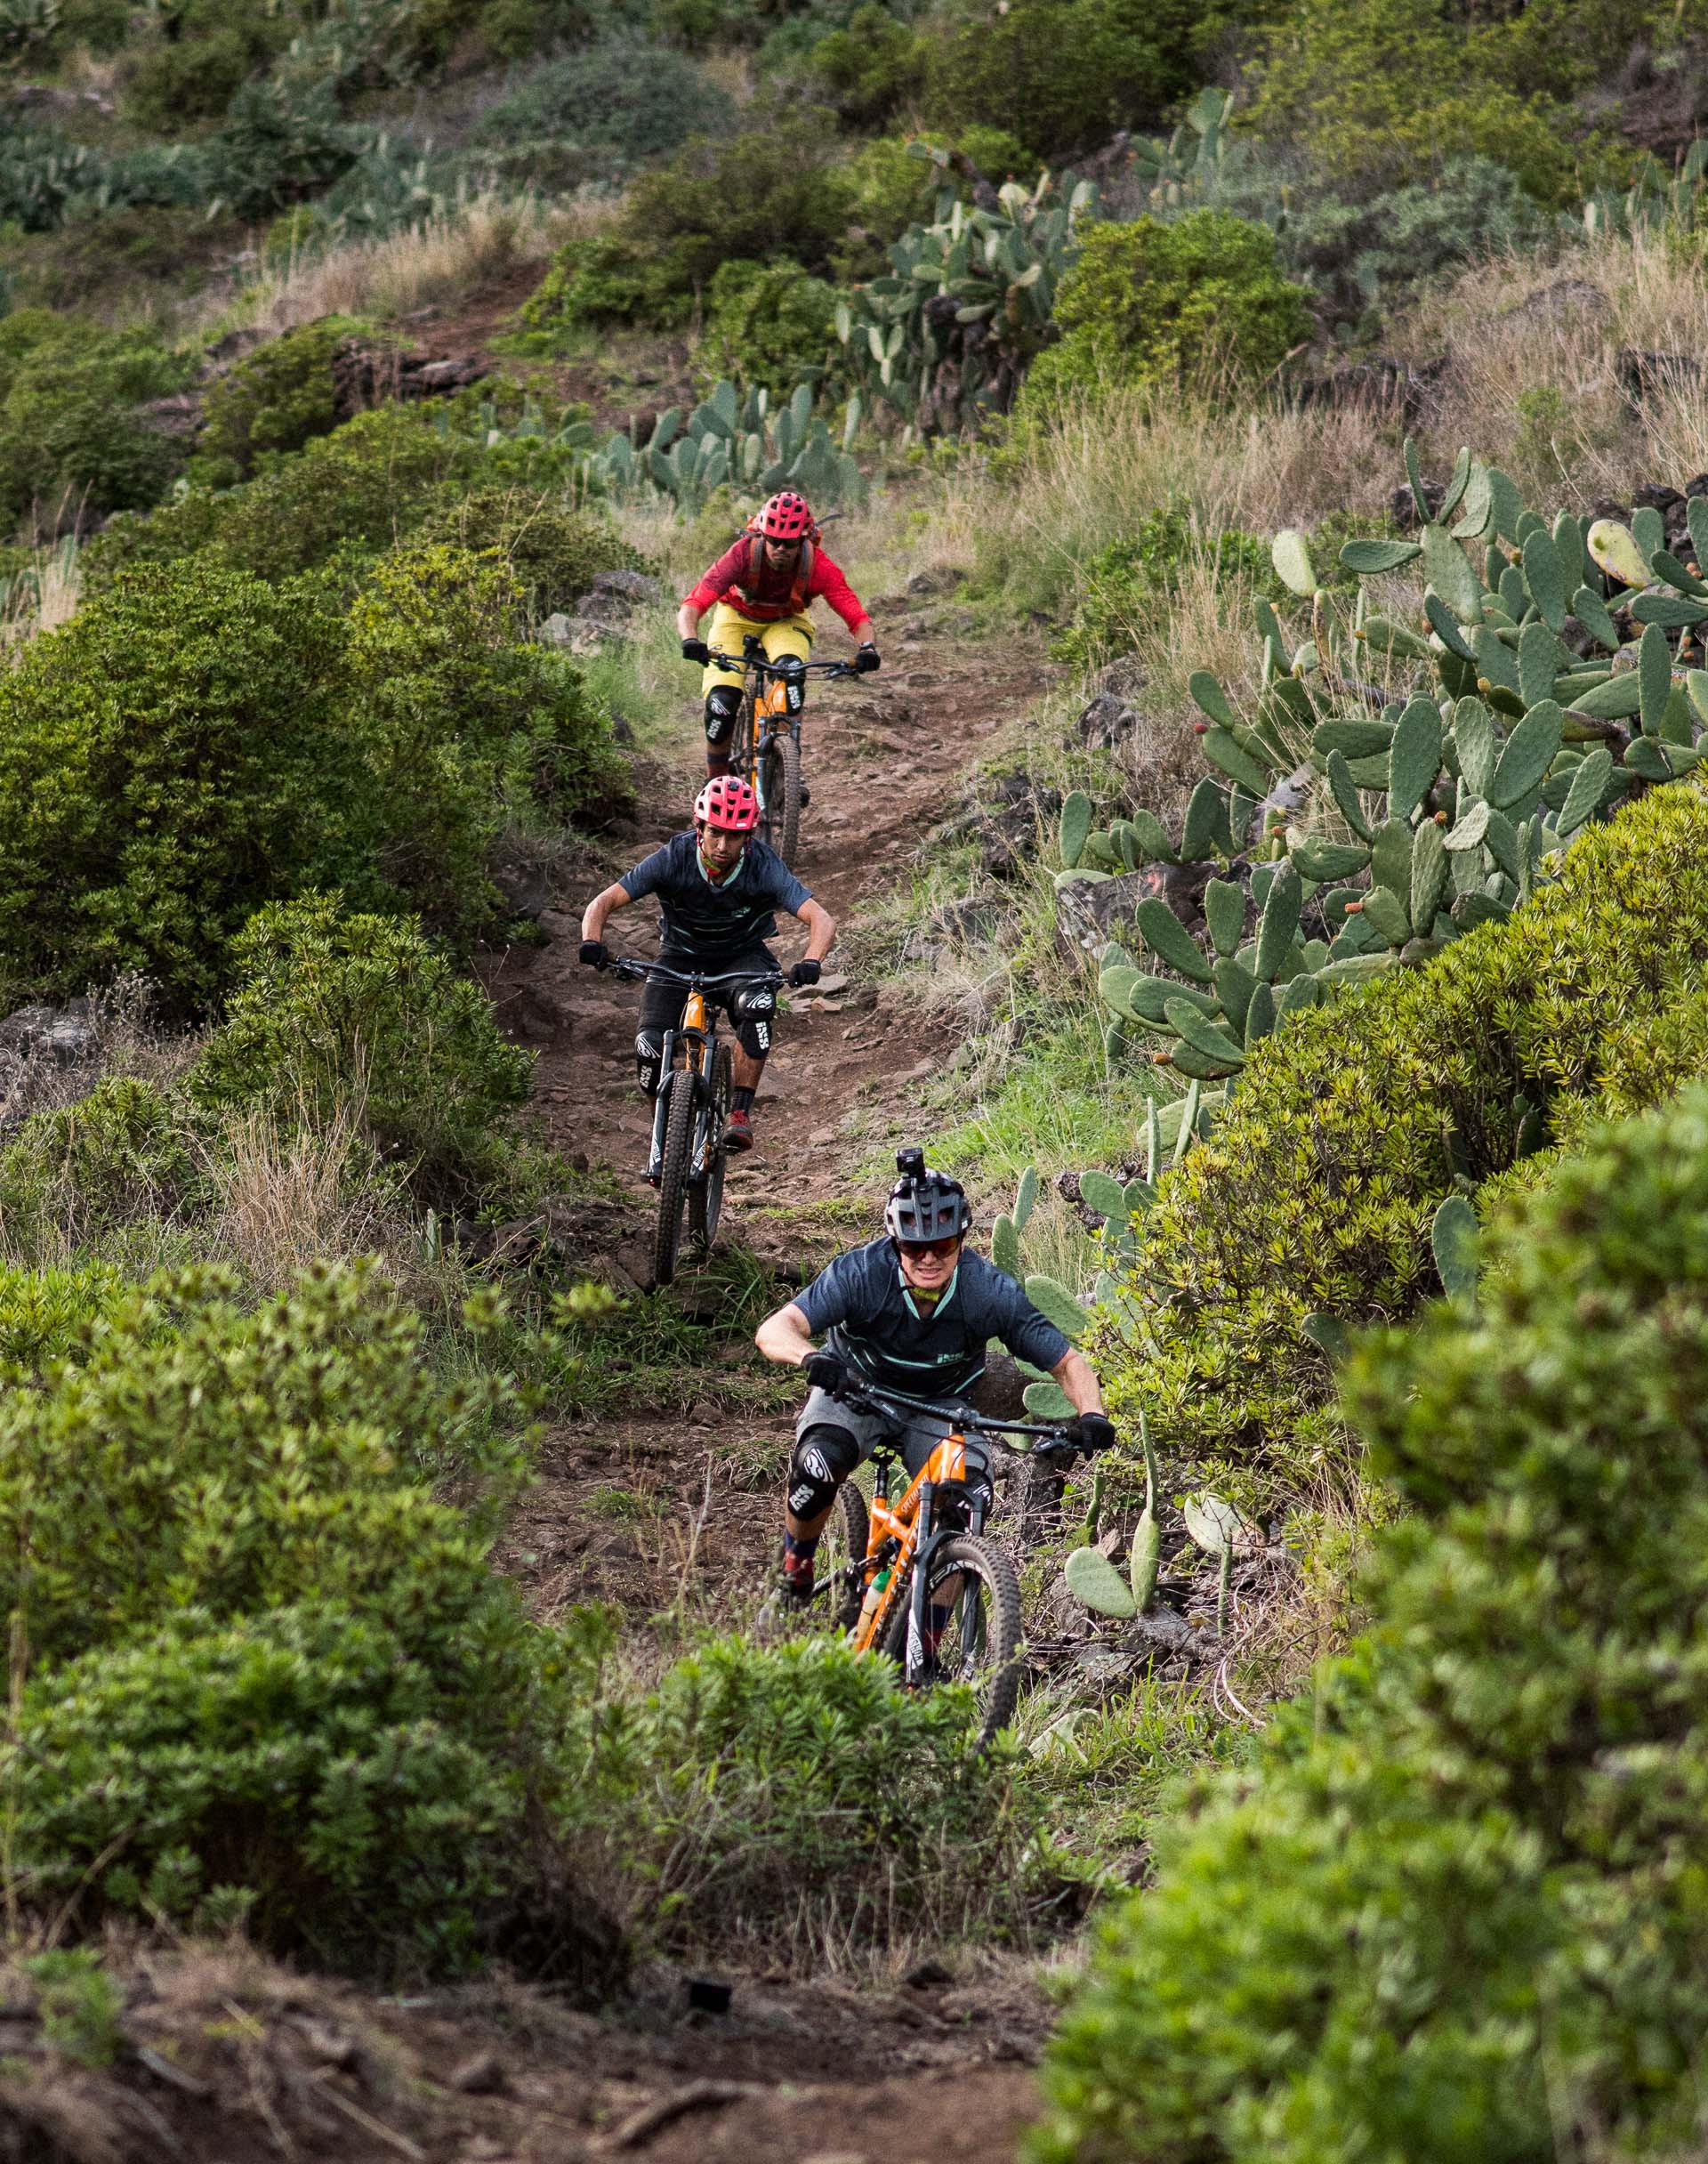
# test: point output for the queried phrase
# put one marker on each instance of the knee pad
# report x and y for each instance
(722, 705)
(753, 1011)
(793, 677)
(823, 1460)
(649, 1050)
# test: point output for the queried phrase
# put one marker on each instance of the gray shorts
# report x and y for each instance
(917, 1436)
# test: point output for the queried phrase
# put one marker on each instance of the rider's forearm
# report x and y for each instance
(602, 905)
(784, 1337)
(1073, 1371)
(862, 633)
(687, 621)
(821, 930)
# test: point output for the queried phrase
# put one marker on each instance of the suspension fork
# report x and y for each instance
(691, 1033)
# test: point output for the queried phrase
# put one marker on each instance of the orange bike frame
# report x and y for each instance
(947, 1461)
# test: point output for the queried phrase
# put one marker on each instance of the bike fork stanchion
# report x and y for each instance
(919, 1606)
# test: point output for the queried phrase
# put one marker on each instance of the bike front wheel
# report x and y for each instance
(706, 1194)
(673, 1174)
(781, 796)
(973, 1604)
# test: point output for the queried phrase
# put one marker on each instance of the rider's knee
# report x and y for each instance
(792, 674)
(722, 705)
(823, 1460)
(648, 1051)
(754, 1012)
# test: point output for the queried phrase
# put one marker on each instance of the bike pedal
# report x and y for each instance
(806, 794)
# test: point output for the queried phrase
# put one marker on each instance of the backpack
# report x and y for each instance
(749, 588)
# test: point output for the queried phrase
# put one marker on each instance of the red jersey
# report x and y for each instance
(768, 595)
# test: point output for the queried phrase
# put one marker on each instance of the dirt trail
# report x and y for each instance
(881, 761)
(806, 2072)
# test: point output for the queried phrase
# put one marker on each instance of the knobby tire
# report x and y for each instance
(672, 1174)
(995, 1679)
(842, 1544)
(782, 797)
(705, 1196)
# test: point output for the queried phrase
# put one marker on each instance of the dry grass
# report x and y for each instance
(42, 596)
(490, 237)
(286, 1198)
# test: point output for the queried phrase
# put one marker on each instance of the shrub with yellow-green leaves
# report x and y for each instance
(1316, 1190)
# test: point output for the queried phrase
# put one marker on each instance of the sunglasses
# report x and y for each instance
(943, 1248)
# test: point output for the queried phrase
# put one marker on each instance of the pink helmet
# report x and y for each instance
(787, 517)
(728, 803)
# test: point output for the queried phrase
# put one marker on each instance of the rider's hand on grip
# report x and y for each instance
(696, 650)
(594, 954)
(866, 658)
(804, 973)
(826, 1372)
(1092, 1432)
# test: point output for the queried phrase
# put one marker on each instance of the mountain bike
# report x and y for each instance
(692, 1108)
(766, 749)
(916, 1578)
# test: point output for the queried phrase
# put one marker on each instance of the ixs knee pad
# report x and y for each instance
(823, 1460)
(753, 1011)
(649, 1050)
(792, 673)
(722, 705)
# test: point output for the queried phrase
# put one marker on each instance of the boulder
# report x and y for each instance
(632, 587)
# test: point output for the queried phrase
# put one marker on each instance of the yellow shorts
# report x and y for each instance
(789, 634)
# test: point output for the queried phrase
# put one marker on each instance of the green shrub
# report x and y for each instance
(276, 401)
(1456, 1908)
(752, 196)
(460, 721)
(1128, 588)
(45, 1314)
(170, 758)
(332, 1013)
(72, 445)
(72, 1175)
(596, 116)
(1194, 302)
(1060, 75)
(354, 489)
(768, 325)
(1318, 1186)
(797, 1796)
(554, 554)
(196, 75)
(1386, 91)
(870, 71)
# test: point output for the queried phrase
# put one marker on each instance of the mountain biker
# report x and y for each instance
(913, 1312)
(717, 885)
(764, 583)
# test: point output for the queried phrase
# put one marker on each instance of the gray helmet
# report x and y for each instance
(924, 1204)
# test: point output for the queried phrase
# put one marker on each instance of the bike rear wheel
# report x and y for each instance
(980, 1641)
(841, 1547)
(673, 1174)
(781, 796)
(705, 1195)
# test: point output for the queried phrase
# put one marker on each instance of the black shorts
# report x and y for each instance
(662, 1003)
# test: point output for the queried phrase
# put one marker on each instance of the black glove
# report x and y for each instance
(696, 650)
(805, 973)
(866, 658)
(593, 953)
(826, 1372)
(1092, 1432)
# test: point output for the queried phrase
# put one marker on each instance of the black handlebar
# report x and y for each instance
(633, 967)
(864, 1399)
(734, 665)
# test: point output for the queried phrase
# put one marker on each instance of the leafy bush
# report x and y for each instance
(1454, 1911)
(72, 445)
(868, 72)
(261, 1651)
(554, 554)
(194, 73)
(330, 1012)
(1060, 75)
(752, 197)
(1192, 302)
(169, 759)
(73, 1175)
(1384, 92)
(276, 401)
(45, 1314)
(353, 489)
(459, 720)
(1128, 587)
(1316, 1190)
(768, 325)
(798, 1793)
(596, 116)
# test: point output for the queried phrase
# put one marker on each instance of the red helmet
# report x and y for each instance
(728, 803)
(787, 517)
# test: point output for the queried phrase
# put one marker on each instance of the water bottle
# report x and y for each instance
(873, 1599)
